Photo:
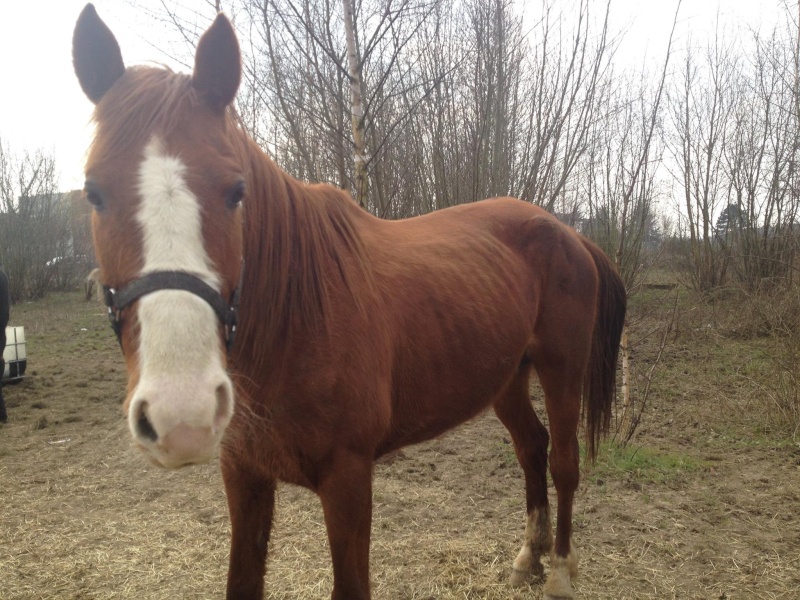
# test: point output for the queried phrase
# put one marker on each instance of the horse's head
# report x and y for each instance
(165, 181)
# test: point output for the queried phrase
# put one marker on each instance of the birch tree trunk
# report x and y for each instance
(357, 109)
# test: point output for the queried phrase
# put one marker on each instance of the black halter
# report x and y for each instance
(118, 300)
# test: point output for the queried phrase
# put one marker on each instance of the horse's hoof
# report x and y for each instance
(557, 586)
(562, 595)
(521, 578)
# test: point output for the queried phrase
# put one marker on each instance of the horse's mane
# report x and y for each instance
(299, 240)
(301, 243)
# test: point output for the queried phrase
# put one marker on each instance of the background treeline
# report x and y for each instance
(415, 105)
(461, 100)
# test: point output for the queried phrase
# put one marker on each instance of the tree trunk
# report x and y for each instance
(357, 109)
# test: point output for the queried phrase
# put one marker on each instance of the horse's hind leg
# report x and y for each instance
(562, 390)
(530, 439)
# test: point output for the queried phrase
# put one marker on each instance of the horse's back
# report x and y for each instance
(498, 253)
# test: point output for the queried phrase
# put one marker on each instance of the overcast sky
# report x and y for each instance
(42, 106)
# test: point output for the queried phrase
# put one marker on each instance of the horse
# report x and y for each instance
(92, 285)
(281, 326)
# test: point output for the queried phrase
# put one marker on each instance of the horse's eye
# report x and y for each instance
(235, 194)
(94, 196)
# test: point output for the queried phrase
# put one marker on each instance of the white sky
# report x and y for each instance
(42, 106)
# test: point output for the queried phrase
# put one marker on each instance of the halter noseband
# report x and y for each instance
(118, 300)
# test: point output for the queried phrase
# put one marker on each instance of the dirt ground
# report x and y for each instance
(714, 515)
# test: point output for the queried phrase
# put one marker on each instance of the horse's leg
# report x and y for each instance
(562, 390)
(530, 439)
(251, 501)
(346, 495)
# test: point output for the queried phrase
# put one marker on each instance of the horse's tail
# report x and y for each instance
(600, 382)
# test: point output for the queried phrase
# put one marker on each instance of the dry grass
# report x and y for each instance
(767, 323)
(83, 516)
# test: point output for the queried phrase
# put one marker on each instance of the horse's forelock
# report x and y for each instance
(143, 102)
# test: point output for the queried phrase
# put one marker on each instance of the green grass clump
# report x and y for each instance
(615, 461)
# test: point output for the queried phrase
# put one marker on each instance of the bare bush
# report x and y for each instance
(774, 315)
(758, 223)
(34, 222)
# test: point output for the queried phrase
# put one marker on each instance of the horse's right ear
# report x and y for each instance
(95, 55)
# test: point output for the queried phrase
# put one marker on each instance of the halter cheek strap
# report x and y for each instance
(118, 300)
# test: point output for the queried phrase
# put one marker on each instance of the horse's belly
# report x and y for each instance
(438, 400)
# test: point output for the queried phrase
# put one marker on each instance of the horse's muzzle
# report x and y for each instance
(174, 431)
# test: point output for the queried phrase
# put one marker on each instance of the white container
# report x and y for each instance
(14, 354)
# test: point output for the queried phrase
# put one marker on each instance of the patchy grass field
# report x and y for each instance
(704, 503)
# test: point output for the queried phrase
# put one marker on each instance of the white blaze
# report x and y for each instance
(170, 218)
(180, 363)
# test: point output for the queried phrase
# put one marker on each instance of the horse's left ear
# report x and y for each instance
(218, 64)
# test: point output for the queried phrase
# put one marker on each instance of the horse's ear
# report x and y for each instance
(218, 64)
(95, 55)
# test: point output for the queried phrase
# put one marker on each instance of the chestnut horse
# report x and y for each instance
(356, 336)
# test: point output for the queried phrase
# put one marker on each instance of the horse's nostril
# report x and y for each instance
(224, 407)
(143, 427)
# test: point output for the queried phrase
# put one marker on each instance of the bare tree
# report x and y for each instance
(510, 110)
(620, 188)
(759, 163)
(420, 104)
(354, 67)
(34, 230)
(701, 108)
(568, 81)
(326, 65)
(621, 177)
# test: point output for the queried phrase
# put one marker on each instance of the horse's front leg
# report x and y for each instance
(251, 502)
(346, 494)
